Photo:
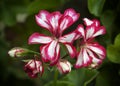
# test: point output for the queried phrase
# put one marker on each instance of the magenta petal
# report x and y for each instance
(54, 20)
(68, 38)
(83, 59)
(98, 50)
(71, 12)
(43, 53)
(71, 49)
(65, 22)
(37, 38)
(41, 19)
(54, 62)
(51, 50)
(99, 31)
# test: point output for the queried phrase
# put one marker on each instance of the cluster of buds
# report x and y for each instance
(90, 53)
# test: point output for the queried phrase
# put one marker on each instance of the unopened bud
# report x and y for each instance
(64, 66)
(18, 52)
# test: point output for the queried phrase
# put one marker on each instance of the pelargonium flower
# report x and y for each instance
(91, 53)
(33, 67)
(56, 23)
(64, 66)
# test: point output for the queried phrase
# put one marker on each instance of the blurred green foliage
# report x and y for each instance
(17, 23)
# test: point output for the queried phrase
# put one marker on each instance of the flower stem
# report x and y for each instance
(55, 78)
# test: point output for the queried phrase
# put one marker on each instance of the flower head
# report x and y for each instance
(56, 23)
(64, 66)
(91, 53)
(18, 52)
(33, 67)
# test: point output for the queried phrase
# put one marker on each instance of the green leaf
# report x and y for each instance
(113, 51)
(95, 6)
(117, 41)
(61, 83)
(113, 54)
(37, 5)
(82, 77)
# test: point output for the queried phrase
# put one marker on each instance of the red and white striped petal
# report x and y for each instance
(83, 59)
(71, 49)
(89, 22)
(99, 31)
(37, 38)
(51, 50)
(68, 38)
(90, 32)
(71, 12)
(81, 30)
(41, 19)
(65, 22)
(53, 62)
(98, 50)
(54, 20)
(43, 53)
(95, 60)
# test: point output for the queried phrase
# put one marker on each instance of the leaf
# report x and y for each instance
(37, 5)
(113, 51)
(61, 83)
(117, 41)
(95, 6)
(113, 54)
(82, 77)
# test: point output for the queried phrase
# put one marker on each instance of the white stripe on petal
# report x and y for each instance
(101, 30)
(41, 19)
(71, 49)
(87, 21)
(37, 38)
(90, 32)
(81, 30)
(51, 50)
(69, 38)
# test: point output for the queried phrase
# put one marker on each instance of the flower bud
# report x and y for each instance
(18, 52)
(64, 66)
(33, 67)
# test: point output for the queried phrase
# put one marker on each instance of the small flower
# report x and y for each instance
(64, 66)
(56, 23)
(91, 53)
(18, 52)
(33, 67)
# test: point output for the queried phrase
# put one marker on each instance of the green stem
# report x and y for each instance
(55, 78)
(34, 52)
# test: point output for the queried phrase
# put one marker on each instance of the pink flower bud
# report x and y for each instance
(17, 52)
(64, 66)
(33, 67)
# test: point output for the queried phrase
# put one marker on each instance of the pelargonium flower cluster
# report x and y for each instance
(90, 53)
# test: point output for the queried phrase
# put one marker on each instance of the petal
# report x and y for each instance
(54, 20)
(53, 62)
(37, 38)
(65, 22)
(51, 50)
(81, 30)
(95, 60)
(99, 31)
(71, 49)
(41, 19)
(71, 12)
(87, 21)
(43, 53)
(90, 32)
(83, 59)
(69, 38)
(98, 50)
